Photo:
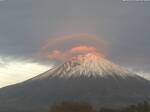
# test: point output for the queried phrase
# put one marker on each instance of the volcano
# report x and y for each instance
(85, 78)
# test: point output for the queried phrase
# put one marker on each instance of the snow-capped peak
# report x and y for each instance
(88, 65)
(91, 65)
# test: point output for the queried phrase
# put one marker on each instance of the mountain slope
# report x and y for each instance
(89, 65)
(89, 78)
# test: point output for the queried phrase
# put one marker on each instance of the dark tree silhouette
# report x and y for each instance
(84, 107)
(72, 107)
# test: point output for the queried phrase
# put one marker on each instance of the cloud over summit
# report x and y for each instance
(64, 55)
(64, 47)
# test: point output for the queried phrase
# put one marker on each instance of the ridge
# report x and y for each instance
(88, 65)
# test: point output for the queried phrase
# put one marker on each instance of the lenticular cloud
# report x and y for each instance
(64, 55)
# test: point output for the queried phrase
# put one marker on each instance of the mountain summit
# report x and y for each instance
(87, 78)
(89, 65)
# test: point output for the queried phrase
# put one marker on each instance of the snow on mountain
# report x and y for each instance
(85, 78)
(89, 65)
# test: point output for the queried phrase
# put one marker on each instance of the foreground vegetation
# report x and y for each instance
(84, 107)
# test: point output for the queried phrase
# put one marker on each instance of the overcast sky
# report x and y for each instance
(25, 26)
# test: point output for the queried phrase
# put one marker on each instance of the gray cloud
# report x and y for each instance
(16, 28)
(26, 24)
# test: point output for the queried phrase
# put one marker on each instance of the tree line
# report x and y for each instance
(85, 107)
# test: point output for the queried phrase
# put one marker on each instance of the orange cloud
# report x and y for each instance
(62, 56)
(83, 49)
(64, 47)
(69, 41)
(56, 55)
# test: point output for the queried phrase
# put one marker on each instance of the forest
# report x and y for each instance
(85, 107)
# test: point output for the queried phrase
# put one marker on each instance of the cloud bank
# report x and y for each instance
(61, 48)
(18, 71)
(78, 50)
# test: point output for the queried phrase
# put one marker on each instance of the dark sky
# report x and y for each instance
(125, 25)
(26, 24)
